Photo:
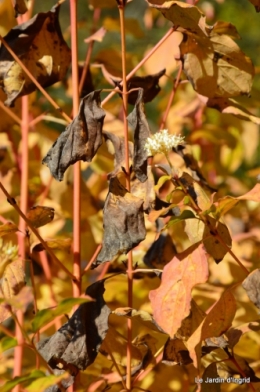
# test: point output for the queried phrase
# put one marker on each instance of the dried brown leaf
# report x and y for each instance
(76, 344)
(252, 287)
(118, 150)
(171, 301)
(39, 44)
(212, 236)
(20, 7)
(144, 190)
(123, 222)
(80, 140)
(138, 122)
(217, 321)
(161, 252)
(39, 216)
(175, 352)
(149, 83)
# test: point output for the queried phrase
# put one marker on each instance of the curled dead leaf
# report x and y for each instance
(39, 44)
(252, 287)
(123, 222)
(39, 215)
(20, 7)
(80, 140)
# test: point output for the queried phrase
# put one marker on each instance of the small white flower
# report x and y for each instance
(162, 143)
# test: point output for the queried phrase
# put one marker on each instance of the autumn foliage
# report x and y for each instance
(129, 197)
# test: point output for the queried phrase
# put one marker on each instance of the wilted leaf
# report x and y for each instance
(256, 3)
(138, 122)
(20, 7)
(161, 252)
(7, 228)
(118, 150)
(123, 222)
(212, 236)
(44, 316)
(39, 216)
(226, 28)
(171, 301)
(216, 322)
(76, 344)
(252, 286)
(40, 46)
(56, 243)
(149, 83)
(80, 140)
(144, 190)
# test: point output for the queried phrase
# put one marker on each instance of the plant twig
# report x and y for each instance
(29, 224)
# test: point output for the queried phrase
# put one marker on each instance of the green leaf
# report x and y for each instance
(9, 385)
(186, 214)
(44, 316)
(7, 343)
(42, 383)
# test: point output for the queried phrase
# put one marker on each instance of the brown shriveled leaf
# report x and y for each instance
(20, 7)
(252, 286)
(138, 122)
(256, 4)
(144, 190)
(123, 222)
(149, 84)
(217, 321)
(39, 44)
(39, 216)
(81, 138)
(175, 352)
(230, 106)
(116, 146)
(76, 344)
(212, 242)
(161, 252)
(171, 301)
(7, 228)
(63, 244)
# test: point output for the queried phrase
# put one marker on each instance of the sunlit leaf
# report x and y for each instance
(63, 244)
(27, 378)
(80, 140)
(39, 216)
(216, 322)
(40, 46)
(171, 301)
(6, 343)
(186, 214)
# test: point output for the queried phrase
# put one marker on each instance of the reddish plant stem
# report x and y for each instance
(37, 84)
(10, 113)
(173, 92)
(76, 168)
(142, 62)
(18, 352)
(128, 186)
(93, 258)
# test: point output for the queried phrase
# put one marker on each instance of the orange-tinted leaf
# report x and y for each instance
(234, 334)
(253, 195)
(224, 205)
(212, 242)
(216, 322)
(40, 46)
(40, 216)
(80, 140)
(7, 228)
(175, 352)
(251, 285)
(171, 301)
(123, 222)
(63, 244)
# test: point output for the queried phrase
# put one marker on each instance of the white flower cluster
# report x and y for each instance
(162, 142)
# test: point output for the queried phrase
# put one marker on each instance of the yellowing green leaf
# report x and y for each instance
(44, 316)
(63, 244)
(6, 343)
